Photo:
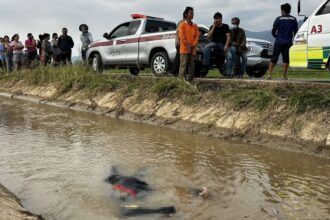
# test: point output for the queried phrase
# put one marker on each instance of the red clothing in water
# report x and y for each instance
(31, 45)
(125, 189)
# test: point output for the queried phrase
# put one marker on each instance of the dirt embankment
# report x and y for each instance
(286, 115)
(11, 209)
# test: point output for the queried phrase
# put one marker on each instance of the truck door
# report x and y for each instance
(319, 37)
(132, 42)
(116, 52)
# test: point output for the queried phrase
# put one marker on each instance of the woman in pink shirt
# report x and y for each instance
(17, 51)
(31, 46)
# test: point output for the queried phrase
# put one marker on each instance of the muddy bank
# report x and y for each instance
(286, 115)
(11, 209)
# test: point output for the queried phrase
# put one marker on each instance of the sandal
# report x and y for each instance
(269, 78)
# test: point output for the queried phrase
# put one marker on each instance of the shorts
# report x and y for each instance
(281, 49)
(18, 57)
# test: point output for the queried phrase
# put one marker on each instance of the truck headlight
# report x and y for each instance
(254, 50)
(301, 38)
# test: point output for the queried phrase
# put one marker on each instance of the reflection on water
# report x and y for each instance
(56, 161)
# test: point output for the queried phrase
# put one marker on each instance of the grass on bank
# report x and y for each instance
(259, 97)
(277, 74)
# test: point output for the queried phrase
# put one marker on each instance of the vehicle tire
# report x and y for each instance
(160, 63)
(96, 63)
(197, 69)
(223, 70)
(134, 71)
(256, 72)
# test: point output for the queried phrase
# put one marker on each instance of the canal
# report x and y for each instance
(56, 161)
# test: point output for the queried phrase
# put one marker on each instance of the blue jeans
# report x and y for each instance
(207, 52)
(239, 58)
(9, 62)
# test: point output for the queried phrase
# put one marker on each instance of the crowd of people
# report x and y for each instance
(55, 50)
(231, 41)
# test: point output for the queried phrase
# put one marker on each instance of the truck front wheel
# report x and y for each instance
(160, 63)
(257, 72)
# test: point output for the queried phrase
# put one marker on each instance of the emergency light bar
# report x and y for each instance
(137, 16)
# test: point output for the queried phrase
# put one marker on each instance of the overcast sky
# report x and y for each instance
(45, 16)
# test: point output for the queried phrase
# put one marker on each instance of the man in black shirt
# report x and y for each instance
(284, 29)
(219, 35)
(65, 43)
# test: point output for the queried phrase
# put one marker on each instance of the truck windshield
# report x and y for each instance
(120, 31)
(154, 26)
(325, 9)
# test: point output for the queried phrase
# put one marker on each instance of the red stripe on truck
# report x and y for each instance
(136, 40)
(100, 44)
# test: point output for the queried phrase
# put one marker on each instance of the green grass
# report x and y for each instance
(253, 98)
(298, 98)
(277, 74)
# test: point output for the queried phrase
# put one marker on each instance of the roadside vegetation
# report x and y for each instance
(297, 98)
(292, 73)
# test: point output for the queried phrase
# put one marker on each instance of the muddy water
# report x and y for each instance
(55, 160)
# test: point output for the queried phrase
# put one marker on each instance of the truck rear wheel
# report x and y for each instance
(134, 71)
(96, 63)
(198, 68)
(160, 63)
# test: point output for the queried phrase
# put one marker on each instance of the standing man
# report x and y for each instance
(65, 43)
(284, 29)
(31, 46)
(86, 39)
(188, 35)
(176, 64)
(219, 35)
(238, 47)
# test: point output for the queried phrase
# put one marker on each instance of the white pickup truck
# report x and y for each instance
(149, 42)
(142, 42)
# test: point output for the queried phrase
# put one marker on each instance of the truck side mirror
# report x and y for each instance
(299, 7)
(106, 36)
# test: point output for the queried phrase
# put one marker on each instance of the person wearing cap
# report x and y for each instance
(65, 43)
(86, 39)
(188, 35)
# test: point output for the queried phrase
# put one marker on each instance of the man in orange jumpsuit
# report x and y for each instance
(188, 34)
